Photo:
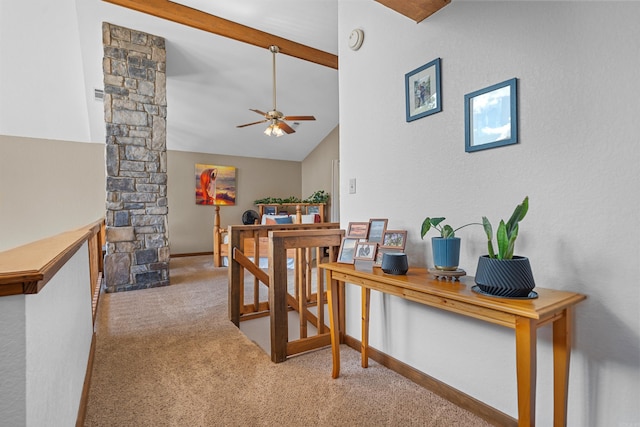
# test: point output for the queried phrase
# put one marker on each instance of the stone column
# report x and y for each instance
(135, 109)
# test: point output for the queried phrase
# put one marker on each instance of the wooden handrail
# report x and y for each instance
(27, 269)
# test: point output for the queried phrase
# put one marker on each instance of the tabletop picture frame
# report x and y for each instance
(347, 250)
(365, 251)
(377, 227)
(394, 239)
(423, 91)
(359, 230)
(491, 117)
(380, 254)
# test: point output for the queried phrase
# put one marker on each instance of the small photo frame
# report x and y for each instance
(365, 251)
(423, 91)
(347, 250)
(377, 227)
(491, 117)
(313, 210)
(394, 239)
(359, 230)
(269, 210)
(380, 253)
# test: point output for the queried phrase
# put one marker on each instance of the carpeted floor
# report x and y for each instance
(170, 357)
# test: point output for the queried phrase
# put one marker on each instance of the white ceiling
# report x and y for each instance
(212, 81)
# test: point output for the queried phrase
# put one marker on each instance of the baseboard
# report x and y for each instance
(191, 254)
(95, 307)
(82, 409)
(482, 410)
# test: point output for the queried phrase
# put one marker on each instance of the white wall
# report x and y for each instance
(44, 348)
(58, 335)
(13, 360)
(41, 77)
(577, 159)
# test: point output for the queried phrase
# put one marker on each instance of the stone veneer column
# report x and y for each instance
(135, 108)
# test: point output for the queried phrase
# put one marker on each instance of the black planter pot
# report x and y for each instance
(505, 277)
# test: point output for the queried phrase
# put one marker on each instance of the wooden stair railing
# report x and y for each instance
(302, 241)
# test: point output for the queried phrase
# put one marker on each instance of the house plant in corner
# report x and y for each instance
(446, 248)
(503, 273)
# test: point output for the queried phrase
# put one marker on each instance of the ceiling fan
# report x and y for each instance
(277, 125)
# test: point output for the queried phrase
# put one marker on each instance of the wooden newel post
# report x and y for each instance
(217, 259)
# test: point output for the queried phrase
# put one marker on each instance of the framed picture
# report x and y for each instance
(394, 239)
(347, 250)
(377, 227)
(313, 209)
(215, 185)
(423, 91)
(491, 117)
(269, 210)
(365, 251)
(358, 229)
(380, 253)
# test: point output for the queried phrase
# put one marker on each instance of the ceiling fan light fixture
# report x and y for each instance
(273, 130)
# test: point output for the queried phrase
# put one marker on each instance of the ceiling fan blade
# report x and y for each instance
(258, 111)
(249, 124)
(285, 127)
(294, 118)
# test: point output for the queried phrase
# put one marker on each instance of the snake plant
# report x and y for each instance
(506, 234)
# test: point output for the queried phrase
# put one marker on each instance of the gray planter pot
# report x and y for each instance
(505, 277)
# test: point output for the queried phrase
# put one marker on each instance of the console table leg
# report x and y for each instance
(561, 355)
(526, 341)
(364, 349)
(334, 322)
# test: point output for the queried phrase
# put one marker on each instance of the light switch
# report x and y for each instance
(352, 186)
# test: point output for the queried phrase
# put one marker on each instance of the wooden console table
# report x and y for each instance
(524, 316)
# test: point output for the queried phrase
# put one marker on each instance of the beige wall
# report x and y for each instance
(317, 167)
(191, 225)
(47, 187)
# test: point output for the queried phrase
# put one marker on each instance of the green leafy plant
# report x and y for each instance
(317, 197)
(446, 231)
(506, 234)
(276, 200)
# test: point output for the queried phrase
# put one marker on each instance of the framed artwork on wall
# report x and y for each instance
(491, 117)
(423, 91)
(215, 185)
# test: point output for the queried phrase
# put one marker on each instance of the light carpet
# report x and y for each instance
(170, 357)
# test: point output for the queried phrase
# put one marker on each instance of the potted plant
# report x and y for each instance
(446, 248)
(502, 273)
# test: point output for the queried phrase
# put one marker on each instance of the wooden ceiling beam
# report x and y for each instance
(194, 18)
(417, 10)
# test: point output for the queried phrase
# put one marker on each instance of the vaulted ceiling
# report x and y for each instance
(213, 80)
